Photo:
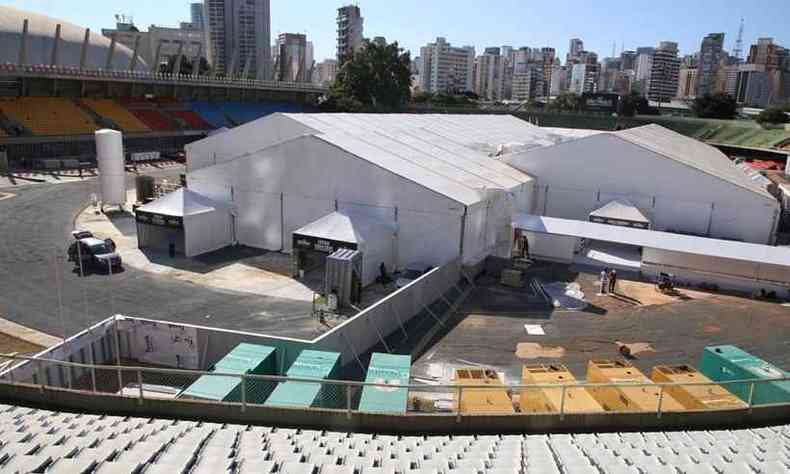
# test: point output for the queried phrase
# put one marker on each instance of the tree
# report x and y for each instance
(773, 115)
(377, 76)
(567, 101)
(634, 103)
(716, 106)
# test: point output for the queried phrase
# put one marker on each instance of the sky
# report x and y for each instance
(413, 23)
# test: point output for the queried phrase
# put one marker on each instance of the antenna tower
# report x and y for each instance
(738, 52)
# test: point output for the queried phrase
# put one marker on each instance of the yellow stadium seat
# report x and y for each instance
(48, 115)
(108, 108)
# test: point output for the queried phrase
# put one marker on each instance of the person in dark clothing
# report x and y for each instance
(612, 281)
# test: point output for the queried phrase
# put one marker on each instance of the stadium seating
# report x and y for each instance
(42, 441)
(48, 115)
(211, 113)
(123, 118)
(192, 120)
(155, 120)
(243, 112)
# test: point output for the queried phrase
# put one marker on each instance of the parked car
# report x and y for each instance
(411, 273)
(95, 253)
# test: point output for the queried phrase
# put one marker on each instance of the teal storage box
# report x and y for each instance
(247, 359)
(728, 363)
(391, 370)
(310, 365)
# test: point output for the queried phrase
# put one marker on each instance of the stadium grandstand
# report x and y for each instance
(60, 82)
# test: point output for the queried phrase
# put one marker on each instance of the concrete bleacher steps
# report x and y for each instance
(50, 442)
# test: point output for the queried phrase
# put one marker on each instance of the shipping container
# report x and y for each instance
(549, 400)
(622, 397)
(481, 400)
(695, 397)
(728, 363)
(391, 370)
(310, 365)
(249, 359)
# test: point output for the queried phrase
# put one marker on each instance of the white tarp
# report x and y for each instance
(621, 210)
(374, 238)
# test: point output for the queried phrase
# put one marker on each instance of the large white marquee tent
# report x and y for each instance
(431, 177)
(679, 184)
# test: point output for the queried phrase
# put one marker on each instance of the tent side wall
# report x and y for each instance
(725, 273)
(249, 137)
(207, 232)
(283, 188)
(157, 238)
(577, 177)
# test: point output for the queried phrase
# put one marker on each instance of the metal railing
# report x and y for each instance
(65, 72)
(254, 391)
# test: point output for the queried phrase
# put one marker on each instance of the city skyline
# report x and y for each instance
(599, 28)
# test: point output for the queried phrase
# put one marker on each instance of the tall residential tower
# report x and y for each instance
(239, 37)
(350, 31)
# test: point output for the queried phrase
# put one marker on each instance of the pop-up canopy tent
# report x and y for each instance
(373, 237)
(191, 221)
(620, 212)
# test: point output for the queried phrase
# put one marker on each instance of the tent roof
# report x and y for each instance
(449, 154)
(353, 229)
(761, 254)
(182, 203)
(690, 152)
(621, 209)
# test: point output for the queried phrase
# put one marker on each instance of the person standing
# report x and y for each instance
(613, 281)
(604, 280)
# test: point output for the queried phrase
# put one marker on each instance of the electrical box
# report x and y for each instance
(728, 363)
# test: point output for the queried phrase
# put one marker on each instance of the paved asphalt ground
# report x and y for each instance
(35, 227)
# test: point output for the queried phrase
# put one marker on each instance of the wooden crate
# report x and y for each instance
(695, 397)
(549, 400)
(481, 400)
(624, 398)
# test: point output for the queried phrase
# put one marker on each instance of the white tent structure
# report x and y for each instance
(430, 175)
(194, 223)
(680, 184)
(620, 212)
(373, 237)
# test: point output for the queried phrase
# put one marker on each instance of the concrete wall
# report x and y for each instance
(578, 177)
(421, 424)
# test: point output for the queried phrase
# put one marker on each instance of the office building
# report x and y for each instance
(663, 83)
(447, 69)
(489, 75)
(196, 15)
(239, 37)
(350, 31)
(710, 56)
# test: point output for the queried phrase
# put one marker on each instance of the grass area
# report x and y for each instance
(744, 133)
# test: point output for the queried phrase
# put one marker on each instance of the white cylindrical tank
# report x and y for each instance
(112, 170)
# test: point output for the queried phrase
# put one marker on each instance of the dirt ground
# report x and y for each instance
(489, 329)
(10, 345)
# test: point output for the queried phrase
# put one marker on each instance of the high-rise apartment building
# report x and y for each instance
(350, 31)
(575, 48)
(663, 83)
(711, 53)
(325, 72)
(239, 37)
(490, 75)
(528, 83)
(628, 60)
(445, 68)
(687, 82)
(548, 56)
(584, 78)
(293, 58)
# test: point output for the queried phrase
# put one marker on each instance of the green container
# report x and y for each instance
(247, 359)
(728, 363)
(310, 365)
(391, 370)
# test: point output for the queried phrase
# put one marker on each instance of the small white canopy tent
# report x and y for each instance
(197, 224)
(620, 212)
(373, 237)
